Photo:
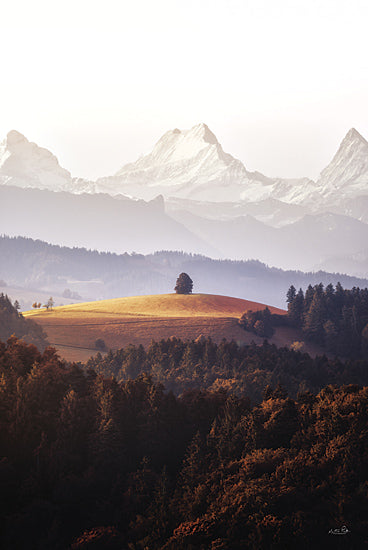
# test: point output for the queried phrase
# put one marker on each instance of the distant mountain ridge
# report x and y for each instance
(349, 164)
(120, 224)
(197, 198)
(191, 165)
(25, 164)
(95, 221)
(347, 173)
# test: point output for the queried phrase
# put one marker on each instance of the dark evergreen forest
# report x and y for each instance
(243, 370)
(90, 462)
(333, 317)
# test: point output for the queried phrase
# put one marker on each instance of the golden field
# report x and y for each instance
(73, 329)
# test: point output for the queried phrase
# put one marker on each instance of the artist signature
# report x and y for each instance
(342, 531)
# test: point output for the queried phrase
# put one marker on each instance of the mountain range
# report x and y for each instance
(191, 165)
(188, 194)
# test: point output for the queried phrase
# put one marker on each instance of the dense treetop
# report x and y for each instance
(92, 463)
(184, 284)
(242, 370)
(333, 317)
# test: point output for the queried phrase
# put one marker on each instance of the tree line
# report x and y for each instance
(333, 317)
(242, 370)
(42, 265)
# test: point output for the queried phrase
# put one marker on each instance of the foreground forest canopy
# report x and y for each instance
(242, 370)
(92, 463)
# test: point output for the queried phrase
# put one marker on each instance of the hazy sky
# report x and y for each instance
(279, 82)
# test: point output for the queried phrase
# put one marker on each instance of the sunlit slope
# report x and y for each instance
(159, 305)
(74, 329)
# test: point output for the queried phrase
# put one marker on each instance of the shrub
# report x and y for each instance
(100, 344)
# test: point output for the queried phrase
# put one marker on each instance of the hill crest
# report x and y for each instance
(161, 305)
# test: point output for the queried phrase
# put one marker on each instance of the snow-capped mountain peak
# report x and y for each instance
(187, 163)
(354, 135)
(176, 146)
(191, 164)
(202, 131)
(348, 168)
(15, 138)
(25, 164)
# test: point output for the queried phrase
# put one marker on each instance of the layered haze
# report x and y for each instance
(189, 194)
(183, 236)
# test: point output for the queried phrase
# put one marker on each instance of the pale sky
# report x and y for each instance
(279, 82)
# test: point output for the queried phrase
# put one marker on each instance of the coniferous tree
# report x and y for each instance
(291, 293)
(314, 320)
(309, 293)
(296, 308)
(331, 335)
(333, 317)
(364, 345)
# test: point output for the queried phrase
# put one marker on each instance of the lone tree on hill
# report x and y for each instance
(184, 284)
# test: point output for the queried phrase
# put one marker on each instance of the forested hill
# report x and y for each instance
(100, 275)
(12, 323)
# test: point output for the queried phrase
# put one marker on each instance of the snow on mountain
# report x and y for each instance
(342, 181)
(348, 170)
(202, 200)
(191, 165)
(183, 163)
(343, 184)
(25, 164)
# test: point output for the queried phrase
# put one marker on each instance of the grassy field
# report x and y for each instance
(159, 305)
(74, 329)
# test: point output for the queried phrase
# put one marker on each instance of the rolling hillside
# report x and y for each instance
(158, 305)
(74, 329)
(45, 269)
